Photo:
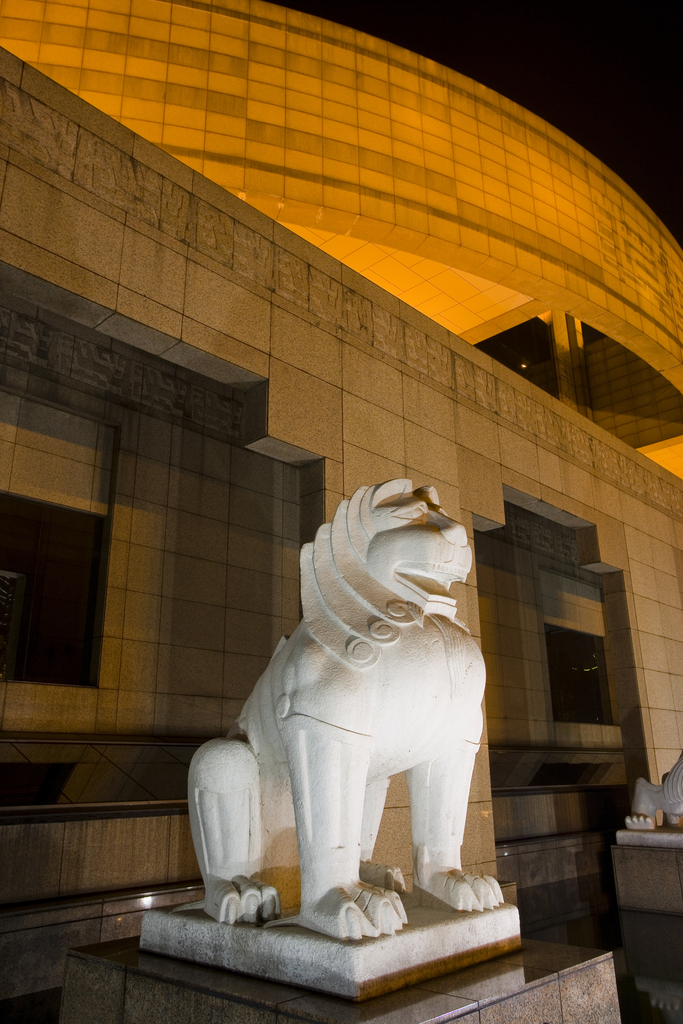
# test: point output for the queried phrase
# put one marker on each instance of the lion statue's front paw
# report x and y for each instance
(241, 900)
(640, 822)
(386, 876)
(464, 892)
(354, 911)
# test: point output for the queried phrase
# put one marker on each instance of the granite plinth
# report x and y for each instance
(663, 838)
(116, 983)
(648, 877)
(434, 942)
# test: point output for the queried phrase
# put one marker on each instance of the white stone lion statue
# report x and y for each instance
(379, 677)
(648, 799)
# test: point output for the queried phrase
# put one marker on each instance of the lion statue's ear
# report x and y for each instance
(392, 490)
(429, 494)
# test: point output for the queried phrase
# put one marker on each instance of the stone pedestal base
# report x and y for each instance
(115, 983)
(648, 868)
(434, 942)
(663, 838)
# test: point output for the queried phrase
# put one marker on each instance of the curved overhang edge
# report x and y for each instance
(525, 207)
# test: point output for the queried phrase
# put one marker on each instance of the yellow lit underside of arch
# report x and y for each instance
(445, 193)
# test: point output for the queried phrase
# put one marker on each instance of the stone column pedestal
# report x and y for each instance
(116, 983)
(648, 870)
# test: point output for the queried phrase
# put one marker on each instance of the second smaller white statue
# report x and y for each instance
(648, 799)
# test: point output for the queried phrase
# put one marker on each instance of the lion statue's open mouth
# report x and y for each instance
(429, 579)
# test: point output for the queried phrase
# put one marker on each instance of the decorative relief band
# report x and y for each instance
(117, 374)
(76, 154)
(479, 386)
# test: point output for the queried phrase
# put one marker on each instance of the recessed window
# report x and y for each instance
(49, 564)
(527, 349)
(578, 676)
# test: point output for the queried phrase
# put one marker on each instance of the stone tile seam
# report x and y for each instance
(679, 864)
(280, 1008)
(80, 193)
(607, 957)
(93, 910)
(80, 954)
(284, 1017)
(194, 987)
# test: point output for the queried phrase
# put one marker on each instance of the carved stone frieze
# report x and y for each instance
(44, 135)
(253, 256)
(416, 350)
(291, 281)
(387, 332)
(118, 375)
(118, 178)
(37, 131)
(325, 296)
(357, 314)
(544, 537)
(176, 217)
(214, 233)
(484, 389)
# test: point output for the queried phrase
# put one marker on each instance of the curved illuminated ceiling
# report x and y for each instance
(466, 205)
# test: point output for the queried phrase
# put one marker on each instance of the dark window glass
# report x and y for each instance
(590, 334)
(22, 784)
(528, 350)
(564, 774)
(578, 676)
(49, 562)
(62, 771)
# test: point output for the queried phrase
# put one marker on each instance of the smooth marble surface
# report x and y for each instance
(653, 948)
(35, 937)
(653, 944)
(541, 982)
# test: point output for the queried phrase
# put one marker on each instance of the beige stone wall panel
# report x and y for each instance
(46, 861)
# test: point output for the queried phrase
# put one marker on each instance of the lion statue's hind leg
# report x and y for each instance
(225, 818)
(386, 876)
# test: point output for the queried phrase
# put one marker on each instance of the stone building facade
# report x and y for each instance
(200, 386)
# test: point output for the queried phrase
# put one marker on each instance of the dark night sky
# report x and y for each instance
(610, 75)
